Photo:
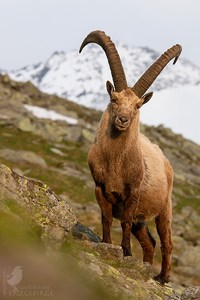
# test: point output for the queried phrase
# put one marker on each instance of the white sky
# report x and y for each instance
(31, 30)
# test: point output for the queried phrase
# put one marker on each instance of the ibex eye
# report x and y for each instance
(113, 100)
(138, 106)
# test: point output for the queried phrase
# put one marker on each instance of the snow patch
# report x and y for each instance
(43, 113)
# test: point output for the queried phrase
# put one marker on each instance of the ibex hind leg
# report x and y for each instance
(163, 225)
(141, 231)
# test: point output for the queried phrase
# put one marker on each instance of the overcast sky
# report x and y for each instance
(31, 30)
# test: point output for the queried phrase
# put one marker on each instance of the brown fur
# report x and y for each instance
(133, 178)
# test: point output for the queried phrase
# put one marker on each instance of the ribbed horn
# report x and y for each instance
(117, 71)
(155, 69)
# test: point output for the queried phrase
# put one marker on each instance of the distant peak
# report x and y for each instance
(55, 53)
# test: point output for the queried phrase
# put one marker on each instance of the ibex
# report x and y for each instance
(133, 178)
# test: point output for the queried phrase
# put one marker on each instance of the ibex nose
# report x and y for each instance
(123, 119)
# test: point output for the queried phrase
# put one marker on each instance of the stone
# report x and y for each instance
(191, 293)
(26, 125)
(23, 157)
(39, 204)
(57, 151)
(109, 251)
(88, 135)
(82, 232)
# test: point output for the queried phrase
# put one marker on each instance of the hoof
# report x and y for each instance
(106, 241)
(127, 252)
(161, 279)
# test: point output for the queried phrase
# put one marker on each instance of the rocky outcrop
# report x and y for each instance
(38, 204)
(103, 264)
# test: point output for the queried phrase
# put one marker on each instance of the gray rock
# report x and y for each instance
(21, 156)
(26, 125)
(109, 251)
(88, 135)
(57, 151)
(82, 232)
(42, 207)
(191, 293)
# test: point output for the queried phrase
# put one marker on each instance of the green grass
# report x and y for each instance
(15, 231)
(74, 187)
(187, 195)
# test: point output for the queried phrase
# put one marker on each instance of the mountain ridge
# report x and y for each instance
(74, 76)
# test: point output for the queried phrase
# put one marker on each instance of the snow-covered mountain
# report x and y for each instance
(82, 77)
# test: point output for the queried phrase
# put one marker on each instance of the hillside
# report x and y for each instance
(81, 78)
(55, 151)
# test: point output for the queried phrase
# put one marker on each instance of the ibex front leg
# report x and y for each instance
(130, 206)
(106, 214)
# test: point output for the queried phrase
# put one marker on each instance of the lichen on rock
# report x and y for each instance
(40, 204)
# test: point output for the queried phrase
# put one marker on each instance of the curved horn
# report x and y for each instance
(154, 70)
(100, 38)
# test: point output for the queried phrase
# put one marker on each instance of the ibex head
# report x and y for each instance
(126, 101)
(124, 105)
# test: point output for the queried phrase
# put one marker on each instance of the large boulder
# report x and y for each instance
(39, 204)
(22, 156)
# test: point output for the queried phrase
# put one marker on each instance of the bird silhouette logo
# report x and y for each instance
(14, 278)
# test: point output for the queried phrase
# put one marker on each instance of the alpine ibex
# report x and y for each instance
(132, 176)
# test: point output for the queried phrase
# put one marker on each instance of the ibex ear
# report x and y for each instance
(110, 87)
(146, 97)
